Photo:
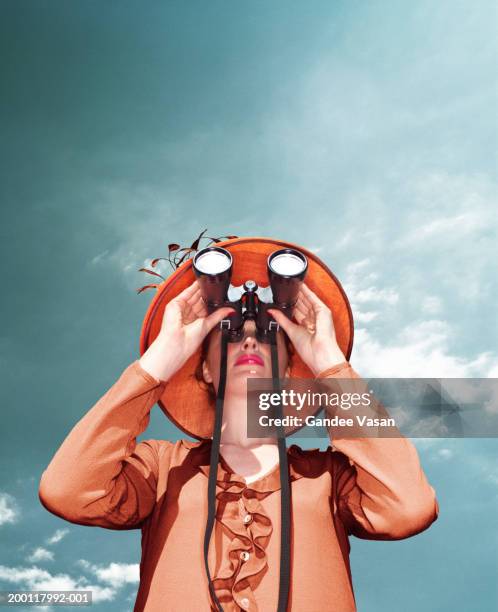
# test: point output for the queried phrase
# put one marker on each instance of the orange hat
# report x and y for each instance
(185, 401)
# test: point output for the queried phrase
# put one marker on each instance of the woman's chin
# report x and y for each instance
(248, 371)
(238, 379)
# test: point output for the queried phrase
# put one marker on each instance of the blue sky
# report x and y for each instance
(365, 131)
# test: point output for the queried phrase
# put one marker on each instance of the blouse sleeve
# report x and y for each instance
(380, 489)
(100, 476)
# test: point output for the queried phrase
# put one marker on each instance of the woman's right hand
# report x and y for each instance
(184, 326)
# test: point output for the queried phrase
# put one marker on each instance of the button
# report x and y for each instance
(247, 518)
(244, 555)
(244, 602)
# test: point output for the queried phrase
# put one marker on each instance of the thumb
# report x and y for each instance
(285, 323)
(218, 315)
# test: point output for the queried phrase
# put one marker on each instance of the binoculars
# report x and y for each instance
(286, 270)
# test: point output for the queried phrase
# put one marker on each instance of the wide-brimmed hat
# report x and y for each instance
(185, 400)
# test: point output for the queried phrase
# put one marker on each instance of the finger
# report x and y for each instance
(302, 299)
(172, 314)
(304, 313)
(308, 323)
(305, 316)
(187, 313)
(299, 317)
(188, 303)
(197, 303)
(215, 317)
(303, 308)
(188, 291)
(200, 309)
(312, 296)
(325, 322)
(194, 297)
(285, 323)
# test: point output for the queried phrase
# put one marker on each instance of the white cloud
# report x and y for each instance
(23, 574)
(467, 455)
(425, 444)
(445, 453)
(431, 305)
(40, 554)
(472, 391)
(453, 225)
(483, 465)
(9, 510)
(99, 257)
(117, 574)
(344, 241)
(450, 228)
(360, 293)
(373, 294)
(83, 563)
(25, 482)
(492, 476)
(419, 350)
(114, 574)
(57, 536)
(37, 579)
(364, 317)
(355, 266)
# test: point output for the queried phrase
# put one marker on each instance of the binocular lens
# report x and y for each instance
(213, 269)
(286, 271)
(287, 264)
(212, 262)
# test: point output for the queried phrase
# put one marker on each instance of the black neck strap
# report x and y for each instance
(285, 490)
(285, 497)
(213, 464)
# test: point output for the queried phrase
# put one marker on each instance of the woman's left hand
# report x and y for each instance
(313, 336)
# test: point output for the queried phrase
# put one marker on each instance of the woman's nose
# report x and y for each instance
(250, 342)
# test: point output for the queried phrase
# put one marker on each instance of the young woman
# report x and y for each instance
(369, 487)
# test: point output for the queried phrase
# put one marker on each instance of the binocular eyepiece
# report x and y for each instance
(286, 269)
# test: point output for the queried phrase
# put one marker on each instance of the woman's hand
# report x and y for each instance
(184, 326)
(313, 336)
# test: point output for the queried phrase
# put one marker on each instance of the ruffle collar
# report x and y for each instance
(238, 502)
(298, 461)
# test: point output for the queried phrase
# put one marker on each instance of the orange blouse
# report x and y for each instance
(370, 488)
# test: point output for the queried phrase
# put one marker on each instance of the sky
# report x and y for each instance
(364, 131)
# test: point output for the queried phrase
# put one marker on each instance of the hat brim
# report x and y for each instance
(185, 401)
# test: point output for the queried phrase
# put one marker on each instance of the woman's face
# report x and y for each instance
(248, 358)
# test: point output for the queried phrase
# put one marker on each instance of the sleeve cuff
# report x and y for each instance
(333, 369)
(146, 375)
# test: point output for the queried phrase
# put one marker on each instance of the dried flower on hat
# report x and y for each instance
(178, 255)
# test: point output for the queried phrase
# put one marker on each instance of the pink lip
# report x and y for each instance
(250, 359)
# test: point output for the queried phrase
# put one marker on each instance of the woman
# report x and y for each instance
(368, 487)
